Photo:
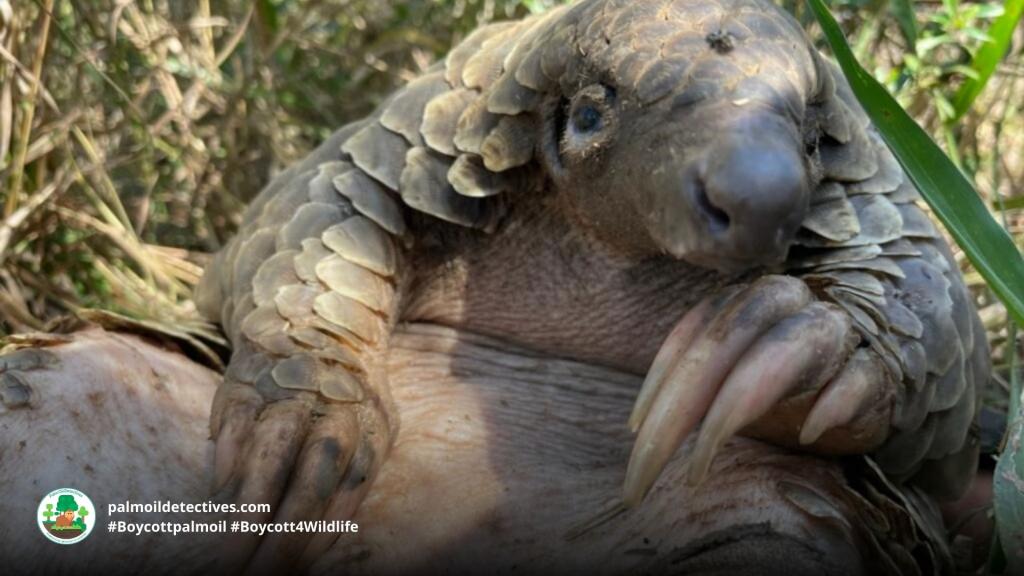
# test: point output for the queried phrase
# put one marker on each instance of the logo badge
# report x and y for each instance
(66, 516)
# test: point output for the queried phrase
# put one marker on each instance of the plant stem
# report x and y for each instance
(21, 150)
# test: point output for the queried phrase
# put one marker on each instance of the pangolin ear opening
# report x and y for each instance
(554, 117)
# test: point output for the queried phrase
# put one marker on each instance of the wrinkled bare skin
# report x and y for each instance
(544, 283)
(501, 454)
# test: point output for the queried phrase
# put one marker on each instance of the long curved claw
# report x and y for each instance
(845, 397)
(808, 344)
(370, 450)
(235, 408)
(278, 436)
(322, 462)
(677, 342)
(687, 390)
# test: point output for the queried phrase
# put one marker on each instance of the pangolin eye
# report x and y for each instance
(586, 118)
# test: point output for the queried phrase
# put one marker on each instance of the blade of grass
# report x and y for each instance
(10, 224)
(943, 186)
(109, 199)
(988, 56)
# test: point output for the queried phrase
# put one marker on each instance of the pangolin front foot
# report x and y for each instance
(768, 359)
(309, 457)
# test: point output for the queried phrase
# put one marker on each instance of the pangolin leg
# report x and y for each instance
(301, 421)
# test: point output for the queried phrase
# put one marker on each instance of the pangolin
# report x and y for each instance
(684, 189)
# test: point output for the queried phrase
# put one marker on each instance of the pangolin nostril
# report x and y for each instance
(718, 219)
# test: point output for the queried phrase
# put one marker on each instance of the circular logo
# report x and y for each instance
(66, 516)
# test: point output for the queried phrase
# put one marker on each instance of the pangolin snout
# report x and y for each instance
(750, 192)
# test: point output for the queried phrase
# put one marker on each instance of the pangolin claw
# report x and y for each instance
(731, 360)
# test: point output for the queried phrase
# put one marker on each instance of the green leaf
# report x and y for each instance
(990, 53)
(943, 186)
(903, 11)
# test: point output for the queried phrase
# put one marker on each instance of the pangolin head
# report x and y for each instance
(680, 127)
